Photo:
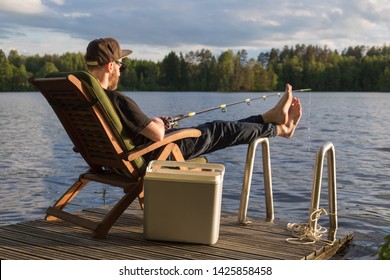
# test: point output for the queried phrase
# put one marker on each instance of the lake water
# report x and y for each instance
(37, 163)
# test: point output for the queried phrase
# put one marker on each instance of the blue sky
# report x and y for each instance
(153, 28)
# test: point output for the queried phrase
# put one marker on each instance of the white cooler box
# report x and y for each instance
(183, 205)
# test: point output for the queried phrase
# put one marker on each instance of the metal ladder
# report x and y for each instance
(327, 149)
(246, 186)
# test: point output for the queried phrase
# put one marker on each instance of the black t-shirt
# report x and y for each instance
(131, 116)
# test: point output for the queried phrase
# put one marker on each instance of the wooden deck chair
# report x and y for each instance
(93, 126)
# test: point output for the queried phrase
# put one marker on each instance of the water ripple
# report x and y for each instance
(37, 163)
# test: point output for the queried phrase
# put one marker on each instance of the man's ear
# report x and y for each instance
(109, 67)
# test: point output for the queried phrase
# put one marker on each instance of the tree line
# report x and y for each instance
(359, 68)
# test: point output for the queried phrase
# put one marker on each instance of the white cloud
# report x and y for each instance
(77, 15)
(152, 28)
(30, 41)
(337, 11)
(23, 7)
(58, 2)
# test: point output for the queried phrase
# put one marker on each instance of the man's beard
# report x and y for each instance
(113, 81)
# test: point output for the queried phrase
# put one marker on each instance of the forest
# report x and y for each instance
(359, 68)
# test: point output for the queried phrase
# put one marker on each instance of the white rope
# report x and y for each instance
(303, 234)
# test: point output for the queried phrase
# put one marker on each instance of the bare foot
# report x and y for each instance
(280, 113)
(294, 116)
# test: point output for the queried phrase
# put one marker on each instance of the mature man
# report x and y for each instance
(104, 61)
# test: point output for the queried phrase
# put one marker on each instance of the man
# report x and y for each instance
(104, 61)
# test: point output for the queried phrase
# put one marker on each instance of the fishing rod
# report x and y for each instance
(173, 120)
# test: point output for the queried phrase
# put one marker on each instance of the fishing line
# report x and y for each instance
(309, 125)
(174, 120)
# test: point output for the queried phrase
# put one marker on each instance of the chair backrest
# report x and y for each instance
(90, 120)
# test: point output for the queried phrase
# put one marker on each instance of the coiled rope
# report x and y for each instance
(304, 234)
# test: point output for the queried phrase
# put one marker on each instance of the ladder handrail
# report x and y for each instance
(328, 150)
(250, 158)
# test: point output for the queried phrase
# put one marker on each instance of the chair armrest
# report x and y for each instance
(169, 138)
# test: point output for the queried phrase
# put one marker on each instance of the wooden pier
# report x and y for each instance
(62, 240)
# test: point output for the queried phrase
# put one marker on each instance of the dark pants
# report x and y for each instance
(217, 135)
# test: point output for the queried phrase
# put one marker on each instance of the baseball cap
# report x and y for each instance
(104, 50)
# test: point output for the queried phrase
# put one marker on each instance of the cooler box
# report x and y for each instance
(183, 201)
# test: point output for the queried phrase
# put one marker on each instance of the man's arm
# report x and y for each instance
(155, 131)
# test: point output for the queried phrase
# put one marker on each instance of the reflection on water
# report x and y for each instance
(37, 163)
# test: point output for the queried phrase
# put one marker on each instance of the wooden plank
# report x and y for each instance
(80, 244)
(269, 236)
(230, 249)
(63, 240)
(9, 253)
(19, 247)
(123, 237)
(45, 246)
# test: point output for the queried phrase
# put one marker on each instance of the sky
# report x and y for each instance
(153, 28)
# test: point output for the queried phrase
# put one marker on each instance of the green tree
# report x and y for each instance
(70, 62)
(6, 72)
(384, 249)
(357, 68)
(48, 67)
(349, 74)
(184, 79)
(225, 71)
(206, 63)
(19, 79)
(384, 80)
(15, 59)
(34, 63)
(129, 78)
(356, 52)
(170, 71)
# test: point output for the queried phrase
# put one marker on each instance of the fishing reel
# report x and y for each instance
(173, 122)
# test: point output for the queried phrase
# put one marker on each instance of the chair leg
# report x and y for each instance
(177, 155)
(109, 220)
(67, 197)
(141, 199)
(164, 154)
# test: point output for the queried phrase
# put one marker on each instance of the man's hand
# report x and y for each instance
(167, 123)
